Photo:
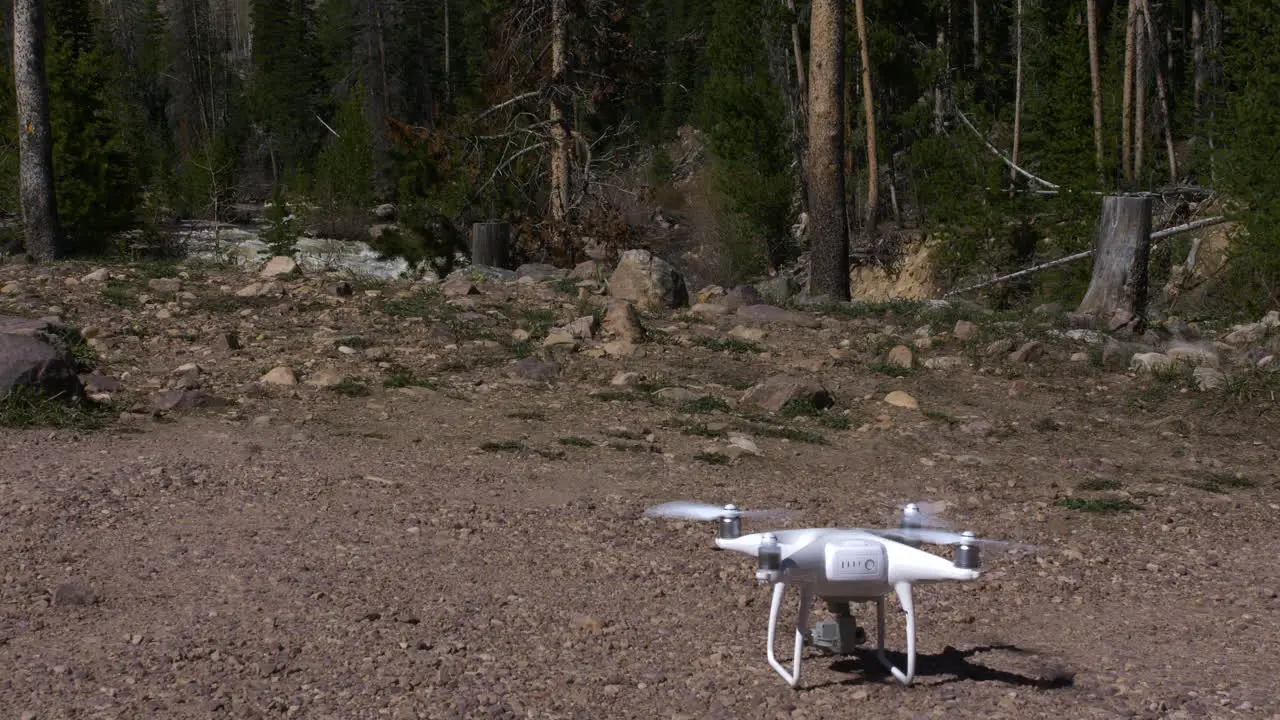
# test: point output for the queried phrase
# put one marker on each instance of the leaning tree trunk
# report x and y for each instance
(42, 230)
(828, 232)
(1126, 96)
(1121, 241)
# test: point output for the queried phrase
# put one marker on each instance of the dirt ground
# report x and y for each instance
(424, 535)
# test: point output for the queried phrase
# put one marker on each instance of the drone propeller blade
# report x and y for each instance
(942, 537)
(688, 510)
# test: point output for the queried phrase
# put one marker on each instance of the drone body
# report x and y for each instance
(842, 566)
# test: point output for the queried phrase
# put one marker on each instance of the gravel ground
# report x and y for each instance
(471, 546)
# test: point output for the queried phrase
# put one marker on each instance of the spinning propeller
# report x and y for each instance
(688, 510)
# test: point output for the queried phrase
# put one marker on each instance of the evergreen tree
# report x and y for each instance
(287, 90)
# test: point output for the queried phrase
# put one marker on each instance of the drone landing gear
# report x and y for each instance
(842, 634)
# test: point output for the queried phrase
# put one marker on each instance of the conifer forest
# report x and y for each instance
(760, 132)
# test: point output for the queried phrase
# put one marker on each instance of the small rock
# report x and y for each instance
(746, 334)
(1193, 353)
(900, 357)
(342, 289)
(676, 395)
(180, 399)
(944, 362)
(1030, 352)
(583, 328)
(741, 296)
(540, 272)
(965, 331)
(648, 281)
(898, 398)
(626, 379)
(280, 375)
(458, 286)
(99, 275)
(277, 266)
(1208, 378)
(532, 369)
(775, 392)
(1000, 347)
(622, 322)
(167, 286)
(227, 341)
(709, 310)
(325, 377)
(1246, 334)
(1151, 362)
(744, 442)
(589, 270)
(68, 594)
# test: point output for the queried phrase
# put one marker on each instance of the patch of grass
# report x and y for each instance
(784, 433)
(26, 407)
(704, 404)
(628, 446)
(1220, 482)
(537, 321)
(939, 416)
(732, 345)
(566, 285)
(624, 396)
(527, 415)
(575, 441)
(227, 304)
(350, 388)
(501, 445)
(827, 417)
(835, 421)
(699, 430)
(356, 342)
(120, 293)
(891, 370)
(1098, 484)
(712, 458)
(421, 304)
(400, 377)
(1102, 506)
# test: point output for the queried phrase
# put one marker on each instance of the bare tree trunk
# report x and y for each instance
(938, 89)
(1140, 48)
(1095, 77)
(801, 81)
(1197, 51)
(1017, 97)
(829, 235)
(1162, 93)
(868, 108)
(448, 76)
(1126, 126)
(559, 120)
(1122, 241)
(42, 230)
(977, 37)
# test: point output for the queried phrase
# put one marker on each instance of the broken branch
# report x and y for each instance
(1001, 155)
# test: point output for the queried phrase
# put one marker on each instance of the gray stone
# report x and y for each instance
(179, 399)
(27, 360)
(648, 281)
(532, 369)
(622, 323)
(774, 393)
(741, 296)
(540, 272)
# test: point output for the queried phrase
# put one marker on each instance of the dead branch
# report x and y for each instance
(326, 127)
(507, 103)
(1158, 235)
(1001, 155)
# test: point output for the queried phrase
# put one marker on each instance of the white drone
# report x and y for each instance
(843, 566)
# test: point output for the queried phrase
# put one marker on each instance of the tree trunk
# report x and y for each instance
(977, 38)
(1197, 52)
(42, 231)
(1140, 51)
(1017, 96)
(828, 232)
(1126, 120)
(1162, 93)
(559, 122)
(1121, 240)
(1095, 77)
(869, 110)
(489, 243)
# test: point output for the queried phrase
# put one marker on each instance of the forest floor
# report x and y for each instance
(423, 527)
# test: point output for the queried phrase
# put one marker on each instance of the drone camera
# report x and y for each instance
(967, 557)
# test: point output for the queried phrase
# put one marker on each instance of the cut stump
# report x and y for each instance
(489, 242)
(1117, 292)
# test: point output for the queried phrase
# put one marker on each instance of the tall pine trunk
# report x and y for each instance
(42, 231)
(559, 121)
(1141, 50)
(828, 232)
(869, 110)
(1017, 95)
(1126, 96)
(1095, 78)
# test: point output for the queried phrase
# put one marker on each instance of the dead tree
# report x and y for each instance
(1095, 80)
(829, 233)
(42, 231)
(869, 109)
(1122, 241)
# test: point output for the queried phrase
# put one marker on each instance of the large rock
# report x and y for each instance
(769, 314)
(774, 393)
(29, 357)
(648, 281)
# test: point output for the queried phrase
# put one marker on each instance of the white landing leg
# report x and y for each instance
(908, 606)
(802, 623)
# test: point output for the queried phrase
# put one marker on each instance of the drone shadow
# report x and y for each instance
(950, 662)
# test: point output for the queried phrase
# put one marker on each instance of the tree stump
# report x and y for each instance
(489, 241)
(1121, 241)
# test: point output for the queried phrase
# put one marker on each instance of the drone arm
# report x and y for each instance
(806, 599)
(903, 590)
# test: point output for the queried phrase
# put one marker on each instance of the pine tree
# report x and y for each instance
(287, 87)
